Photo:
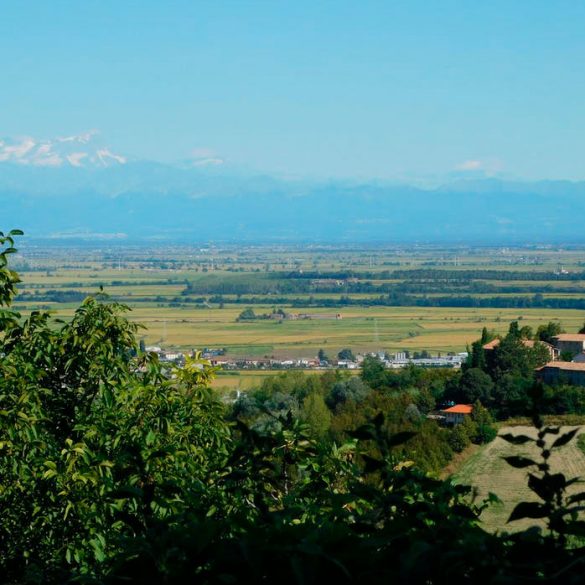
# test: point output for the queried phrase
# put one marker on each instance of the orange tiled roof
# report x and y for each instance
(526, 342)
(460, 409)
(572, 366)
(571, 337)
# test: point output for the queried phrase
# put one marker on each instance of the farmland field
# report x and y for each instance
(392, 298)
(231, 381)
(487, 472)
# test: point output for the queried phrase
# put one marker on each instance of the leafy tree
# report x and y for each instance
(322, 356)
(459, 438)
(95, 444)
(353, 389)
(425, 401)
(474, 385)
(316, 415)
(485, 430)
(247, 315)
(412, 413)
(346, 354)
(477, 358)
(549, 331)
(373, 372)
(514, 357)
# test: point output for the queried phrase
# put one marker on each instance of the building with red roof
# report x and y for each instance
(456, 414)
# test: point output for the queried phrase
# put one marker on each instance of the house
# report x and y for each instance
(570, 342)
(553, 352)
(572, 373)
(456, 414)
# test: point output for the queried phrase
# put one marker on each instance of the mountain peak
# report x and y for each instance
(83, 150)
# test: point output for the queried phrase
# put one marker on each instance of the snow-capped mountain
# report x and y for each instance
(83, 150)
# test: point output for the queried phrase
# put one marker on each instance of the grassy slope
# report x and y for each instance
(486, 471)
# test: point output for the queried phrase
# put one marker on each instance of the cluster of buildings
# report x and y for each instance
(564, 372)
(558, 370)
(392, 362)
(282, 316)
(218, 358)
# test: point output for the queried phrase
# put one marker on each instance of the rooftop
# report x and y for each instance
(569, 366)
(460, 409)
(570, 337)
(526, 342)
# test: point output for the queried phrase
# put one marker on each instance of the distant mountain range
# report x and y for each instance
(70, 188)
(68, 151)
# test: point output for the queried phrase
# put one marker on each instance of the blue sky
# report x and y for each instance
(375, 89)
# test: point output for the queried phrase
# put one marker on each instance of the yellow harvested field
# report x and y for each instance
(361, 328)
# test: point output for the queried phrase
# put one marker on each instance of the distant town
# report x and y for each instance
(398, 360)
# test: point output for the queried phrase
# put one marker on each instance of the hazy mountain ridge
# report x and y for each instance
(152, 200)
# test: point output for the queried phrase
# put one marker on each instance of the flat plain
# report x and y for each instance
(391, 298)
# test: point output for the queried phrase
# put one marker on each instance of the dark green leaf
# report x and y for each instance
(400, 438)
(516, 439)
(576, 528)
(371, 464)
(527, 510)
(364, 433)
(519, 462)
(580, 497)
(379, 419)
(564, 439)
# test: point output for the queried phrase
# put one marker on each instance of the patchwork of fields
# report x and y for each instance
(190, 297)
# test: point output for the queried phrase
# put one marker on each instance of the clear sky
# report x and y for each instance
(358, 88)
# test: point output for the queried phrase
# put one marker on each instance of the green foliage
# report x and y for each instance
(373, 372)
(95, 444)
(346, 354)
(513, 357)
(117, 469)
(475, 385)
(549, 331)
(247, 315)
(484, 431)
(566, 356)
(8, 278)
(316, 415)
(343, 391)
(459, 438)
(501, 377)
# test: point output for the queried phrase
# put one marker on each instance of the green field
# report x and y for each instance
(231, 381)
(361, 328)
(190, 297)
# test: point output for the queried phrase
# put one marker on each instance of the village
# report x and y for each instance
(217, 358)
(559, 370)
